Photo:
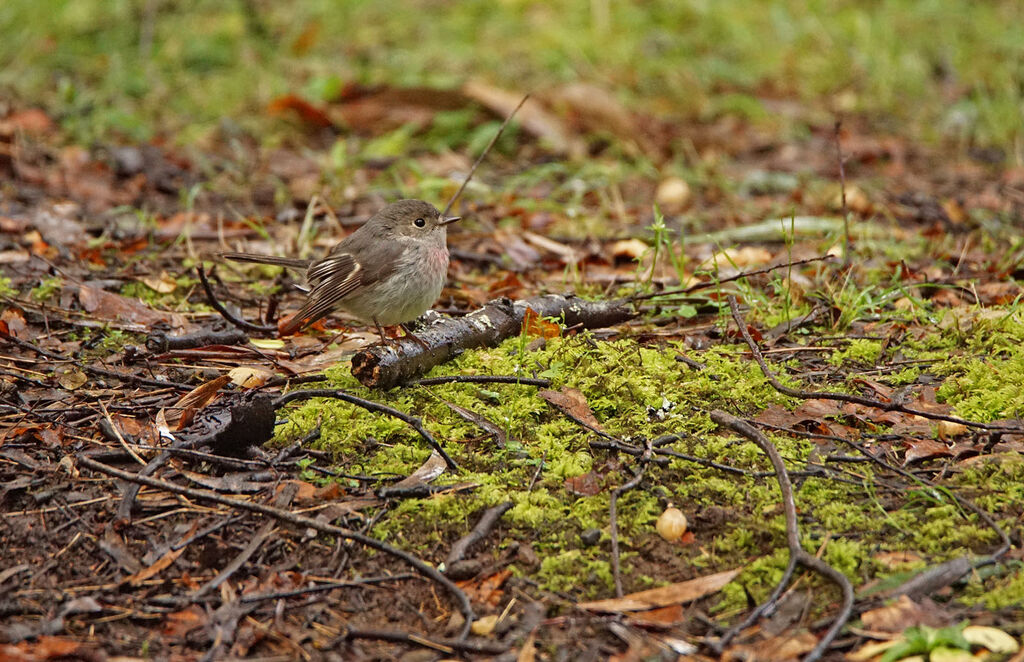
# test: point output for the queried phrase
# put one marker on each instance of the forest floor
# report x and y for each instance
(845, 296)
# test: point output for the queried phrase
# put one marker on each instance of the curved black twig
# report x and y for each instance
(487, 522)
(413, 421)
(297, 520)
(984, 516)
(796, 551)
(224, 312)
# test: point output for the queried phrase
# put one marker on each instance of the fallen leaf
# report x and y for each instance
(163, 283)
(484, 625)
(662, 616)
(160, 564)
(679, 593)
(588, 484)
(30, 120)
(249, 376)
(488, 589)
(925, 449)
(573, 403)
(535, 325)
(116, 308)
(533, 117)
(673, 195)
(306, 111)
(894, 560)
(783, 648)
(993, 639)
(71, 378)
(179, 623)
(13, 322)
(901, 614)
(628, 249)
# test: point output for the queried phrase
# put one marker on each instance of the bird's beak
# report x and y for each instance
(449, 219)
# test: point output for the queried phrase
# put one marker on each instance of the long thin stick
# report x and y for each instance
(480, 158)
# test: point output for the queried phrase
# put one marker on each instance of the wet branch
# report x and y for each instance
(385, 366)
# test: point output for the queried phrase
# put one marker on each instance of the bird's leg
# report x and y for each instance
(380, 330)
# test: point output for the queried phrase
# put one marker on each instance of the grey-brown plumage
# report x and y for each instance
(389, 271)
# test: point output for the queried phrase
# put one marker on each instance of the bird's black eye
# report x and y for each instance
(419, 222)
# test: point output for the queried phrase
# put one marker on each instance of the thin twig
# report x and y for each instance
(613, 515)
(796, 551)
(487, 522)
(715, 283)
(101, 372)
(480, 158)
(321, 588)
(984, 516)
(845, 397)
(297, 520)
(224, 312)
(414, 422)
(481, 379)
(447, 646)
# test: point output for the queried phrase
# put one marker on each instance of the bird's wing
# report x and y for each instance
(331, 279)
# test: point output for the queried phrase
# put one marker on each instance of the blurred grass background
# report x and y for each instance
(932, 70)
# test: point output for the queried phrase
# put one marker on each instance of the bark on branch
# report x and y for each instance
(385, 366)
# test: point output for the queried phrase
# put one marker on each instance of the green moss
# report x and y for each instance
(988, 389)
(859, 351)
(641, 392)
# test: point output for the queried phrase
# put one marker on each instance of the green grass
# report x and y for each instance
(930, 68)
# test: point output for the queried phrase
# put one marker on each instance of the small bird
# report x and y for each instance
(389, 271)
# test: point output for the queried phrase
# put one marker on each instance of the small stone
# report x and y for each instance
(671, 524)
(673, 195)
(590, 537)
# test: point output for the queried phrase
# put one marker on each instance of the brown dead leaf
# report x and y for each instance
(116, 308)
(628, 249)
(784, 648)
(662, 616)
(180, 623)
(46, 647)
(249, 376)
(536, 326)
(160, 564)
(533, 117)
(12, 321)
(679, 593)
(71, 378)
(30, 120)
(894, 560)
(925, 449)
(486, 590)
(573, 403)
(900, 615)
(180, 416)
(378, 110)
(303, 491)
(588, 484)
(162, 283)
(306, 111)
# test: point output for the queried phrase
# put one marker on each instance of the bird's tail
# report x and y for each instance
(290, 262)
